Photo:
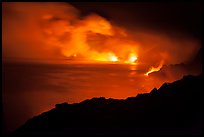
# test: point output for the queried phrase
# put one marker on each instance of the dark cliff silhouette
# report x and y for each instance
(173, 109)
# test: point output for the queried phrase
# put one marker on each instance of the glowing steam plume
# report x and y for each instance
(29, 30)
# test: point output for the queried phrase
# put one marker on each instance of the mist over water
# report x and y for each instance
(30, 89)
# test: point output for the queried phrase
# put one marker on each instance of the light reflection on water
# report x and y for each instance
(29, 90)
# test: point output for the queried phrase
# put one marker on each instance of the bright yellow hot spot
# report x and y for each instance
(132, 58)
(113, 58)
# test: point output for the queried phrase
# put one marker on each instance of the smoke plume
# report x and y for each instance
(54, 31)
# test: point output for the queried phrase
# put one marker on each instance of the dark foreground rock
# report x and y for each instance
(174, 109)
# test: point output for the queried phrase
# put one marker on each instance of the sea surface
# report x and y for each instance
(31, 89)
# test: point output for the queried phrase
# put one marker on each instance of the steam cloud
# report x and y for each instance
(57, 31)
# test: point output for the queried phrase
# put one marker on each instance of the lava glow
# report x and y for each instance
(59, 34)
(113, 58)
(69, 55)
(132, 58)
(154, 69)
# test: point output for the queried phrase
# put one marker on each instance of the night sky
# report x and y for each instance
(167, 17)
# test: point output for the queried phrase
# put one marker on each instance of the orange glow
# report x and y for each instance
(103, 57)
(113, 58)
(132, 58)
(119, 57)
(154, 69)
(69, 36)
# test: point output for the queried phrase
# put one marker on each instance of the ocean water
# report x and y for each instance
(30, 89)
